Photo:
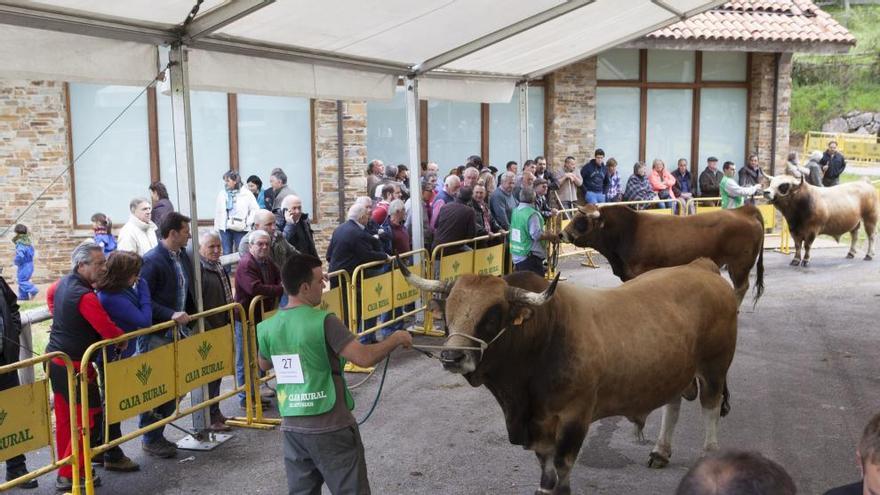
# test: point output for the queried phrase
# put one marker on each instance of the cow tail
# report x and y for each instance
(759, 276)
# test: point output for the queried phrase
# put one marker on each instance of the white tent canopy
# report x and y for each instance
(477, 49)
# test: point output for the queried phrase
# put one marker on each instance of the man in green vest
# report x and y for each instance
(528, 240)
(307, 347)
(732, 194)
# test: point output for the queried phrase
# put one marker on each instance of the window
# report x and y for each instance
(504, 128)
(210, 134)
(617, 127)
(671, 66)
(387, 139)
(723, 125)
(725, 66)
(618, 64)
(453, 133)
(653, 115)
(669, 126)
(117, 167)
(275, 131)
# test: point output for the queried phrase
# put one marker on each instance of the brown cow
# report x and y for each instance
(636, 242)
(557, 359)
(811, 211)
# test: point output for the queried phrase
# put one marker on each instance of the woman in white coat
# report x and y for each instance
(138, 235)
(234, 212)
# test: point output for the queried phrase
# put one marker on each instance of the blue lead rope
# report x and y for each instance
(378, 393)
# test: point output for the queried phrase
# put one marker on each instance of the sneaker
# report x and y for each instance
(63, 483)
(123, 465)
(160, 449)
(18, 473)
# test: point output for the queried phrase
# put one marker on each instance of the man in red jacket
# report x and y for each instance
(78, 321)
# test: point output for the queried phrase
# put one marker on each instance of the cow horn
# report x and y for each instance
(425, 284)
(593, 214)
(517, 295)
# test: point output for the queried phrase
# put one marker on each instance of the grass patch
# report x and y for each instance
(827, 86)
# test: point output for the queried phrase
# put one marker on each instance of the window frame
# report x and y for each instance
(697, 86)
(154, 160)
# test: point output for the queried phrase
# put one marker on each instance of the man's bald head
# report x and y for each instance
(736, 473)
(292, 207)
(265, 220)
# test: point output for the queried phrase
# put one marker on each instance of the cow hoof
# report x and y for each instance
(850, 256)
(805, 263)
(657, 460)
(795, 262)
(868, 257)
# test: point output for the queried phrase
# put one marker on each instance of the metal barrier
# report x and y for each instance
(26, 421)
(145, 381)
(254, 417)
(486, 260)
(859, 149)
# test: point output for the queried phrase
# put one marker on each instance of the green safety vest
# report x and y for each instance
(295, 338)
(520, 237)
(725, 198)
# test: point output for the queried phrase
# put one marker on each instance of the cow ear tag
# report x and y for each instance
(522, 314)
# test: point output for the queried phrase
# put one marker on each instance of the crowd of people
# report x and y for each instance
(144, 276)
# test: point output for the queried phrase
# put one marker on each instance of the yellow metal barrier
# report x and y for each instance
(252, 371)
(380, 293)
(859, 149)
(486, 260)
(145, 381)
(26, 421)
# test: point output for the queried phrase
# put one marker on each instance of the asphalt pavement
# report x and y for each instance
(804, 381)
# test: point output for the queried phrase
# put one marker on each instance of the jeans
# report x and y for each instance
(595, 197)
(239, 359)
(230, 240)
(162, 411)
(532, 264)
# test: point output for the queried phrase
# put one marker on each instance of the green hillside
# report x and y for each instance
(826, 86)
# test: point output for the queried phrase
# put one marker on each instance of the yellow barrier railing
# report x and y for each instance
(251, 366)
(26, 421)
(145, 381)
(485, 255)
(859, 149)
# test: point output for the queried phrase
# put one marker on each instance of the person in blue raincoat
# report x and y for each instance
(24, 260)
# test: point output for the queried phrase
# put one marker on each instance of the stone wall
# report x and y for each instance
(33, 152)
(354, 129)
(761, 109)
(570, 108)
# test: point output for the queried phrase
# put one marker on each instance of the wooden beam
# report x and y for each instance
(484, 132)
(643, 103)
(153, 133)
(748, 105)
(71, 170)
(423, 130)
(232, 113)
(695, 115)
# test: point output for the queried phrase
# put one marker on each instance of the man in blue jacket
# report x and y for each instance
(168, 272)
(595, 176)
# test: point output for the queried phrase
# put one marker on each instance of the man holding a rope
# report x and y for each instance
(307, 347)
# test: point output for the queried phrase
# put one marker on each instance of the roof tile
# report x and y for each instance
(766, 20)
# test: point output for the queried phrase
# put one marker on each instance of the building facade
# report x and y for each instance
(716, 84)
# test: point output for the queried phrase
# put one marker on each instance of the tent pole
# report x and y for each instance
(186, 181)
(523, 89)
(415, 178)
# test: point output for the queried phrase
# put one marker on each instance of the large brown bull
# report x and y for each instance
(837, 210)
(558, 358)
(636, 242)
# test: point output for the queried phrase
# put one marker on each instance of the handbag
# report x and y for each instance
(236, 224)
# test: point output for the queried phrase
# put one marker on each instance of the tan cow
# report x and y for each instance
(837, 210)
(635, 242)
(558, 358)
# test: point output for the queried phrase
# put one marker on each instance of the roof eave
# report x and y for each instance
(815, 47)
